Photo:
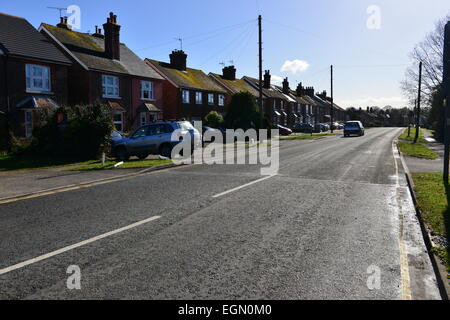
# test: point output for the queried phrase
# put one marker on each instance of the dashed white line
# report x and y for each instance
(74, 246)
(243, 186)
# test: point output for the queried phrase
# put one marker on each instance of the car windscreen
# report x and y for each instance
(352, 125)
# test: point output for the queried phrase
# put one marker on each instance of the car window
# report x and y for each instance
(141, 132)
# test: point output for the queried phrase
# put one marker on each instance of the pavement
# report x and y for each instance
(416, 165)
(336, 222)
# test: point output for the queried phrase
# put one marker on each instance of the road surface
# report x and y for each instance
(335, 215)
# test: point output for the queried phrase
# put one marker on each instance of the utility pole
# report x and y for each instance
(261, 111)
(446, 88)
(331, 108)
(416, 138)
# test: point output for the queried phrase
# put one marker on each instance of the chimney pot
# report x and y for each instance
(267, 78)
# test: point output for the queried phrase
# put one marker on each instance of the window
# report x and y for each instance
(118, 121)
(198, 98)
(211, 98)
(110, 86)
(28, 124)
(146, 90)
(185, 96)
(37, 78)
(221, 100)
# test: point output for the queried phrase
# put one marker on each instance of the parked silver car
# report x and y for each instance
(156, 138)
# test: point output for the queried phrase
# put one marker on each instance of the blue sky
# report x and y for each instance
(369, 63)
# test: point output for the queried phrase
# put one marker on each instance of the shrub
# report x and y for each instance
(83, 133)
(213, 119)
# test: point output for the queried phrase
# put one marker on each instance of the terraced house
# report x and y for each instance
(107, 71)
(33, 76)
(188, 93)
(275, 103)
(233, 85)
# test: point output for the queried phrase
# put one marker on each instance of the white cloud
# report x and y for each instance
(276, 80)
(294, 66)
(396, 102)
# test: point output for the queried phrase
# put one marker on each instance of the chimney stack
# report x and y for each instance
(286, 88)
(63, 24)
(178, 60)
(98, 33)
(267, 77)
(229, 73)
(300, 90)
(112, 37)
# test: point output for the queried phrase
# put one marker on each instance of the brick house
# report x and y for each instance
(227, 80)
(33, 75)
(276, 105)
(188, 93)
(105, 70)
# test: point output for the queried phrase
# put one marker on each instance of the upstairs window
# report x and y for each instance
(221, 100)
(198, 98)
(211, 99)
(146, 90)
(110, 86)
(37, 78)
(185, 96)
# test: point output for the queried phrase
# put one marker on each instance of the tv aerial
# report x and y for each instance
(59, 9)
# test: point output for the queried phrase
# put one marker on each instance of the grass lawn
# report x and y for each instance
(433, 201)
(417, 150)
(308, 136)
(405, 137)
(31, 162)
(109, 165)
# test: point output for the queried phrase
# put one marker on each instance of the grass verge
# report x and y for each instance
(132, 164)
(33, 162)
(417, 150)
(412, 134)
(308, 136)
(433, 201)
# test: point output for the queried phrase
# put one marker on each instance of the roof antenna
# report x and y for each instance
(222, 64)
(181, 43)
(59, 9)
(231, 62)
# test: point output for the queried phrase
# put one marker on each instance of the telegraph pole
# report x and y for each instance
(446, 88)
(261, 111)
(331, 108)
(416, 138)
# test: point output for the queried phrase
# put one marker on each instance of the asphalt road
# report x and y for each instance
(310, 232)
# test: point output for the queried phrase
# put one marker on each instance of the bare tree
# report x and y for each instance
(430, 51)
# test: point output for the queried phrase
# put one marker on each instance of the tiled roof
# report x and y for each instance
(237, 85)
(90, 51)
(19, 38)
(271, 93)
(189, 79)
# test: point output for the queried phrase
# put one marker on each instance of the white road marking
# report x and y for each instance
(74, 246)
(243, 186)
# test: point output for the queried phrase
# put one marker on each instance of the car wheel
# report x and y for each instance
(166, 151)
(122, 154)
